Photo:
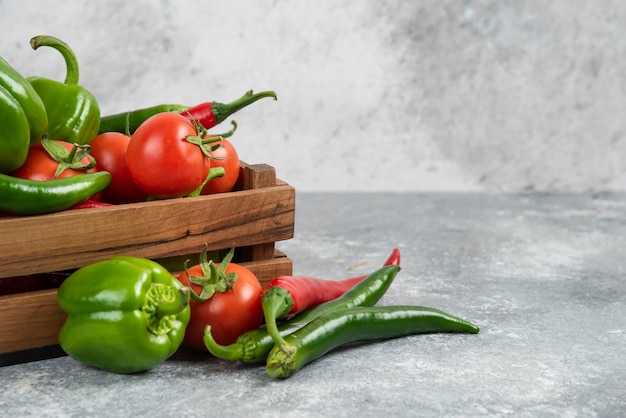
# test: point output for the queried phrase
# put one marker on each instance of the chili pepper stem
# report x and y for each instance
(223, 110)
(276, 302)
(231, 352)
(281, 366)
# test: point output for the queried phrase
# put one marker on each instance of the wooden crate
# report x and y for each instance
(37, 252)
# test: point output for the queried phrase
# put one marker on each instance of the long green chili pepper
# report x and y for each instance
(358, 324)
(253, 346)
(32, 197)
(127, 122)
(207, 114)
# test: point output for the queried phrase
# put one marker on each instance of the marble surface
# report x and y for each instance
(489, 95)
(541, 274)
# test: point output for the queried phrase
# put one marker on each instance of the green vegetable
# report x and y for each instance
(32, 197)
(253, 346)
(73, 112)
(124, 315)
(357, 324)
(128, 122)
(14, 133)
(21, 90)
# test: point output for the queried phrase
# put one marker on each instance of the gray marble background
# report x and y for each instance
(498, 96)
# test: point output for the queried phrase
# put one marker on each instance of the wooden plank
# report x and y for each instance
(29, 320)
(257, 176)
(34, 319)
(71, 239)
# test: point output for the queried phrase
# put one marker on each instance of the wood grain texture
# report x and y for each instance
(74, 238)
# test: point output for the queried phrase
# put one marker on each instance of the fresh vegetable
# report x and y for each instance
(225, 296)
(14, 133)
(15, 86)
(49, 159)
(166, 156)
(91, 204)
(32, 197)
(125, 314)
(289, 295)
(224, 155)
(109, 151)
(357, 324)
(208, 114)
(73, 112)
(253, 346)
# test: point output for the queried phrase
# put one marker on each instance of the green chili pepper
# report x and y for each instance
(31, 197)
(73, 112)
(125, 314)
(253, 346)
(29, 101)
(128, 122)
(207, 114)
(358, 324)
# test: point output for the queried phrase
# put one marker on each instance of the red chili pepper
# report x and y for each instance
(289, 295)
(88, 204)
(209, 114)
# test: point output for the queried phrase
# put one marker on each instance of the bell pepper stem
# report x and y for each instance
(276, 302)
(71, 63)
(173, 306)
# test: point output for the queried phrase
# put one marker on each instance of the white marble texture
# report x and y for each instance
(373, 95)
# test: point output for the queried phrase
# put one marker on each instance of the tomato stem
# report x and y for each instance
(213, 279)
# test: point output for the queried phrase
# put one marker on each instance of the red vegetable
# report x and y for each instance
(50, 159)
(90, 203)
(166, 156)
(109, 150)
(223, 155)
(289, 295)
(209, 114)
(226, 296)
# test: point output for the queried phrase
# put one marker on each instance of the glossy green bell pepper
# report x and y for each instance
(73, 111)
(23, 119)
(124, 314)
(14, 133)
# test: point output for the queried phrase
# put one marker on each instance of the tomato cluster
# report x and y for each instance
(164, 158)
(167, 156)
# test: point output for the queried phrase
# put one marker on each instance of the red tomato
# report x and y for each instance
(228, 159)
(229, 313)
(109, 150)
(41, 167)
(160, 159)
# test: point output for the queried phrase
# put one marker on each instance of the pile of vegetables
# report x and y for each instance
(128, 314)
(57, 152)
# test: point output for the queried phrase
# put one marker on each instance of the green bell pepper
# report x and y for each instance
(73, 111)
(125, 314)
(23, 119)
(14, 133)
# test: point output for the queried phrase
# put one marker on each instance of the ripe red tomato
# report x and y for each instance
(161, 160)
(229, 313)
(227, 158)
(109, 150)
(40, 166)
